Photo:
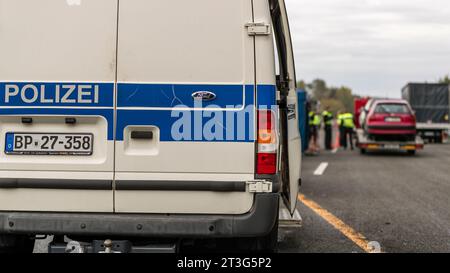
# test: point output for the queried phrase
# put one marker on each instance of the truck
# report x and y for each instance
(136, 126)
(386, 124)
(431, 104)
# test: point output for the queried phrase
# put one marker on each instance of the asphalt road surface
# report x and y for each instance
(400, 201)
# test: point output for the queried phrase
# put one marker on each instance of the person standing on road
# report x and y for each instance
(349, 126)
(314, 124)
(328, 122)
(340, 122)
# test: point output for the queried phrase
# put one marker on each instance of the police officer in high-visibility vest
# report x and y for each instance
(349, 126)
(340, 122)
(328, 123)
(314, 124)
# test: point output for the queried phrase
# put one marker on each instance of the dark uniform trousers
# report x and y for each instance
(348, 137)
(328, 133)
(342, 137)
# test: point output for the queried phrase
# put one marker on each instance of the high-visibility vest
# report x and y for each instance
(340, 119)
(311, 117)
(327, 118)
(347, 120)
(314, 119)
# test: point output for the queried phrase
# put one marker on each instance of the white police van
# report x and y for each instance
(145, 119)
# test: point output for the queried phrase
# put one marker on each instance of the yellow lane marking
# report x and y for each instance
(356, 237)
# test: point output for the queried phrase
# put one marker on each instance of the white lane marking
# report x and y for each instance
(321, 169)
(334, 150)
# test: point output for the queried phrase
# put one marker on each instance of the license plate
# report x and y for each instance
(392, 146)
(49, 144)
(393, 119)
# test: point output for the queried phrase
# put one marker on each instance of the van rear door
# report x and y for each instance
(57, 78)
(291, 148)
(185, 86)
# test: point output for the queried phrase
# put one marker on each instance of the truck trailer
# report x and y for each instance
(431, 104)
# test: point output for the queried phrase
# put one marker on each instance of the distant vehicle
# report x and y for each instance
(431, 104)
(390, 119)
(387, 125)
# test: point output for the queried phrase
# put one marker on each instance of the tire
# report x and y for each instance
(413, 152)
(16, 244)
(363, 151)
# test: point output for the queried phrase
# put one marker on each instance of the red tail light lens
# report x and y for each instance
(266, 158)
(266, 163)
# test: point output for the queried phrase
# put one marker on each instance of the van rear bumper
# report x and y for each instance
(258, 222)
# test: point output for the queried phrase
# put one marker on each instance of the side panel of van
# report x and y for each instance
(58, 61)
(186, 91)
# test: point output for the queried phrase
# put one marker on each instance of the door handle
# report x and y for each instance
(141, 135)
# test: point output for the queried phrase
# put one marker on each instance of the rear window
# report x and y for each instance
(392, 108)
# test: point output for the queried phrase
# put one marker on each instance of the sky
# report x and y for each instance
(374, 47)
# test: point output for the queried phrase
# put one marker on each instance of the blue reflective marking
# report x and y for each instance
(147, 95)
(266, 95)
(165, 119)
(233, 131)
(171, 95)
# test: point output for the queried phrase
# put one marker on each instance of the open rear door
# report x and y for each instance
(291, 148)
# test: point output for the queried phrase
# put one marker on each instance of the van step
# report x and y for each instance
(287, 221)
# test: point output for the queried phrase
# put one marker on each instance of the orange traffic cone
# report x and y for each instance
(337, 142)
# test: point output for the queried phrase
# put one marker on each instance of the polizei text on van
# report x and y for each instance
(65, 94)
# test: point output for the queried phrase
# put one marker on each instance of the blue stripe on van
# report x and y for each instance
(108, 114)
(30, 94)
(266, 96)
(219, 125)
(169, 124)
(214, 125)
(171, 95)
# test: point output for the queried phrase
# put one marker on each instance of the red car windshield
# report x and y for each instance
(392, 108)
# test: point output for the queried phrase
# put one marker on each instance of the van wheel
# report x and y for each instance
(363, 151)
(16, 244)
(412, 152)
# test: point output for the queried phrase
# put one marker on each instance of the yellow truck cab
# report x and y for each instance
(143, 120)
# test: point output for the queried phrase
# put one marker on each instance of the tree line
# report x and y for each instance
(445, 79)
(337, 99)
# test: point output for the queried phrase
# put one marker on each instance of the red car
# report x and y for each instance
(389, 120)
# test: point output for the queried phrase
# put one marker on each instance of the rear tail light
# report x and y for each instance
(375, 117)
(266, 158)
